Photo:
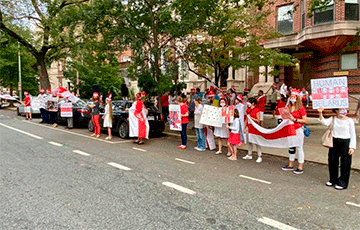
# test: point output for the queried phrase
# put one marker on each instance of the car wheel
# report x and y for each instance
(91, 126)
(123, 130)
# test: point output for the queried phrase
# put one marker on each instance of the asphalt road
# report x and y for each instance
(63, 179)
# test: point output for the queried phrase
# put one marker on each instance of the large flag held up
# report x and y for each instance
(285, 135)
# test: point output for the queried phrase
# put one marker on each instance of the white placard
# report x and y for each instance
(66, 110)
(35, 103)
(211, 116)
(175, 117)
(330, 93)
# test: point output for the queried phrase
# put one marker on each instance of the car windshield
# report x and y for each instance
(119, 105)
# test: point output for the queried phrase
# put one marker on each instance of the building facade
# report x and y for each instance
(321, 43)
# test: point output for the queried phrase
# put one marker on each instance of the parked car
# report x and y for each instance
(81, 113)
(35, 107)
(121, 119)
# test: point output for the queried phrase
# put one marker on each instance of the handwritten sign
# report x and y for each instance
(330, 93)
(227, 114)
(284, 113)
(175, 117)
(211, 116)
(66, 110)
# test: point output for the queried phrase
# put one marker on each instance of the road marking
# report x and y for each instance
(189, 162)
(23, 132)
(143, 150)
(78, 134)
(55, 143)
(8, 116)
(81, 153)
(254, 179)
(1, 115)
(353, 204)
(275, 224)
(179, 188)
(119, 166)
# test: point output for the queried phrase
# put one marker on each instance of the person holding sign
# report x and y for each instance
(221, 132)
(344, 145)
(253, 113)
(299, 117)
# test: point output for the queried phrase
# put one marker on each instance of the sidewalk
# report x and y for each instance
(314, 151)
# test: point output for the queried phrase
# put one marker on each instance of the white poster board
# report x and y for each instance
(73, 98)
(35, 103)
(211, 116)
(66, 110)
(175, 117)
(330, 93)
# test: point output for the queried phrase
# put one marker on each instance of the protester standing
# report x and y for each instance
(184, 110)
(275, 96)
(299, 117)
(281, 104)
(221, 132)
(253, 113)
(27, 104)
(261, 102)
(139, 124)
(344, 145)
(42, 100)
(165, 105)
(304, 95)
(198, 93)
(52, 109)
(235, 137)
(95, 114)
(209, 133)
(108, 116)
(199, 128)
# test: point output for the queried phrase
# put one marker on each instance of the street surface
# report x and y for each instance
(54, 178)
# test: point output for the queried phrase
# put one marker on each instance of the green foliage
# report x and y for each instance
(9, 70)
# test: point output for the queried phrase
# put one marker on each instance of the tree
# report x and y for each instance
(234, 36)
(9, 70)
(51, 37)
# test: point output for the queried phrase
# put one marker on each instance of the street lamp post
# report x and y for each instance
(19, 85)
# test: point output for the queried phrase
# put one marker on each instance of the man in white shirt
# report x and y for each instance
(42, 97)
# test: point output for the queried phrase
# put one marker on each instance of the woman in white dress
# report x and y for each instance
(108, 117)
(221, 132)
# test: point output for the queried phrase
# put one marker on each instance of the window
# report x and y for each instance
(325, 14)
(349, 61)
(352, 10)
(303, 14)
(285, 20)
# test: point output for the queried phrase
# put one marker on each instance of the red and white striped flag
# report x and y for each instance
(285, 135)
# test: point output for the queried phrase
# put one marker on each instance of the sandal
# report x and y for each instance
(218, 152)
(93, 135)
(229, 155)
(140, 143)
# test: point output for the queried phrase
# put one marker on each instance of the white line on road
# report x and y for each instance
(142, 150)
(119, 166)
(8, 116)
(78, 134)
(353, 204)
(185, 161)
(55, 143)
(179, 188)
(254, 179)
(81, 153)
(1, 115)
(275, 224)
(23, 132)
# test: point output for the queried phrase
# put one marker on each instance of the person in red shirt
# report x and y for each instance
(27, 104)
(165, 106)
(184, 110)
(253, 113)
(261, 102)
(299, 117)
(281, 104)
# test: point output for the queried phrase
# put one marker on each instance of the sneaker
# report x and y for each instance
(201, 150)
(298, 171)
(247, 157)
(287, 168)
(329, 184)
(338, 187)
(197, 148)
(259, 160)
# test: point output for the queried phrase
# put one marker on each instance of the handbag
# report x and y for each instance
(307, 132)
(327, 138)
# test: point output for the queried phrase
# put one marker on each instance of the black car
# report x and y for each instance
(121, 119)
(81, 113)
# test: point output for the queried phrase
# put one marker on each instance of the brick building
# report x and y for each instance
(319, 42)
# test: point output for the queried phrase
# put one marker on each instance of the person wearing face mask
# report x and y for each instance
(281, 104)
(261, 102)
(299, 117)
(239, 105)
(344, 145)
(221, 132)
(208, 130)
(253, 113)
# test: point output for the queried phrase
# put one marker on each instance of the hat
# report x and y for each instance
(48, 91)
(108, 98)
(143, 94)
(192, 89)
(26, 92)
(246, 90)
(211, 94)
(95, 94)
(224, 89)
(223, 97)
(295, 92)
(211, 88)
(42, 90)
(240, 97)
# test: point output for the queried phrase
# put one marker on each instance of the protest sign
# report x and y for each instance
(35, 103)
(211, 116)
(73, 98)
(66, 110)
(329, 93)
(284, 113)
(227, 114)
(175, 117)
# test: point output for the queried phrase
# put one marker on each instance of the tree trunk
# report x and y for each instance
(217, 77)
(43, 74)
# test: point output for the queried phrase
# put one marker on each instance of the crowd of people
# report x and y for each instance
(234, 133)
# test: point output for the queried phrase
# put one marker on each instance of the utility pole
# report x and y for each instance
(19, 85)
(77, 82)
